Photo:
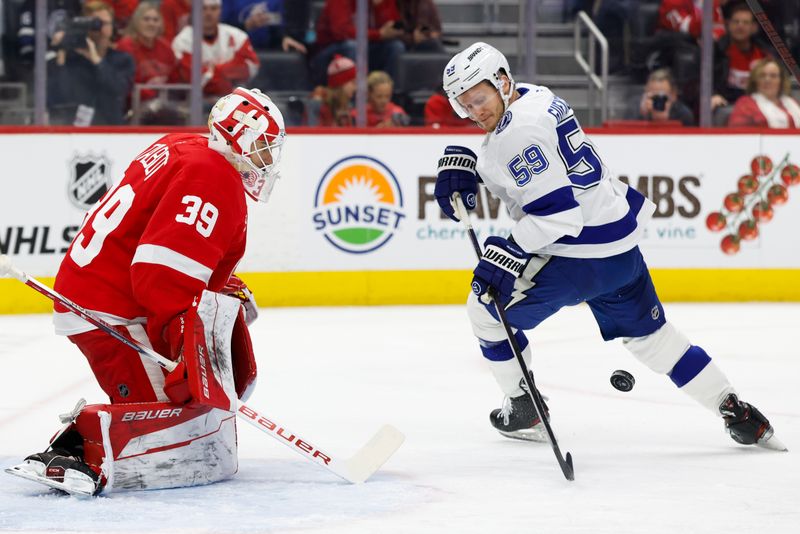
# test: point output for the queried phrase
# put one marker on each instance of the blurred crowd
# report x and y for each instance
(658, 42)
(112, 62)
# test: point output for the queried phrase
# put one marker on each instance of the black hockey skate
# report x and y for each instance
(748, 426)
(59, 469)
(517, 418)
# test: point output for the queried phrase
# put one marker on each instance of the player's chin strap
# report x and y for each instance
(355, 469)
(506, 97)
(527, 375)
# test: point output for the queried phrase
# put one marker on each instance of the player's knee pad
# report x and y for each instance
(484, 326)
(661, 350)
(158, 445)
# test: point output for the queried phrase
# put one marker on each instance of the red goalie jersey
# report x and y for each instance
(178, 220)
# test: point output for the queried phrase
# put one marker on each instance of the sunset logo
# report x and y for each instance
(358, 204)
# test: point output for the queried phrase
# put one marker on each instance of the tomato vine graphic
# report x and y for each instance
(753, 204)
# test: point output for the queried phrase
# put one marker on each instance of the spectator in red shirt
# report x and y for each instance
(123, 9)
(336, 33)
(336, 99)
(228, 58)
(735, 54)
(177, 14)
(381, 111)
(767, 103)
(686, 16)
(439, 113)
(155, 61)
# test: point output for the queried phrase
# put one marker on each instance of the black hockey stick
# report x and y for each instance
(775, 39)
(564, 463)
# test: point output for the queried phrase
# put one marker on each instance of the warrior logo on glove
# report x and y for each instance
(456, 174)
(502, 262)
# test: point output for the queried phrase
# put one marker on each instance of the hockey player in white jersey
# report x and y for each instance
(575, 240)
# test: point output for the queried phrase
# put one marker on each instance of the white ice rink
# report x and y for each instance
(648, 461)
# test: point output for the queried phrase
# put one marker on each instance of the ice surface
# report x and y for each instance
(646, 461)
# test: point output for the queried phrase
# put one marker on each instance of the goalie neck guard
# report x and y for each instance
(247, 128)
(470, 67)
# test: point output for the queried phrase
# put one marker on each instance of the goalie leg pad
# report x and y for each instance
(207, 350)
(158, 445)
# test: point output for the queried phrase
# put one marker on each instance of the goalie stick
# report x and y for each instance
(527, 374)
(356, 469)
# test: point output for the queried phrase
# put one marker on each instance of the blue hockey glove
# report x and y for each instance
(456, 174)
(502, 262)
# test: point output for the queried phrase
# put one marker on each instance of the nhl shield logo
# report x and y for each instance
(89, 180)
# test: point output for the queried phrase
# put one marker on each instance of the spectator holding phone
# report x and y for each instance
(660, 102)
(422, 25)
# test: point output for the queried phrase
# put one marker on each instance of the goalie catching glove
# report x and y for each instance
(456, 174)
(502, 262)
(235, 287)
(183, 330)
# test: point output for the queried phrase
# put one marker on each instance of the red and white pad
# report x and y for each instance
(156, 445)
(207, 350)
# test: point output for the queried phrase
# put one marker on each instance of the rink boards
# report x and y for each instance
(354, 221)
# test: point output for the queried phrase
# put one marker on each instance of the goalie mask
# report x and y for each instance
(470, 67)
(247, 128)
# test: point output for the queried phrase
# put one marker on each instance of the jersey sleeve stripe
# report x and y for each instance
(613, 231)
(68, 324)
(555, 201)
(159, 255)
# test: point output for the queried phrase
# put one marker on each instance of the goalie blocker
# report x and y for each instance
(156, 445)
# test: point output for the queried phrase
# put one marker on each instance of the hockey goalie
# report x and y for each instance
(155, 259)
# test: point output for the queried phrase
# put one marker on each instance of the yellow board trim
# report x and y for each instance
(361, 288)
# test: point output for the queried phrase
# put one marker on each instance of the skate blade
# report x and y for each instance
(772, 443)
(536, 434)
(19, 471)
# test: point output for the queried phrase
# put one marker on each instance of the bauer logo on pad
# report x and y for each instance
(358, 205)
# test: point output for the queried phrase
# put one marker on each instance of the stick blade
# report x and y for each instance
(7, 269)
(364, 463)
(5, 265)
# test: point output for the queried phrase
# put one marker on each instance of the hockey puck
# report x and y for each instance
(622, 380)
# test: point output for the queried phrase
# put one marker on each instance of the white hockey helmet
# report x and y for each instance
(470, 67)
(247, 128)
